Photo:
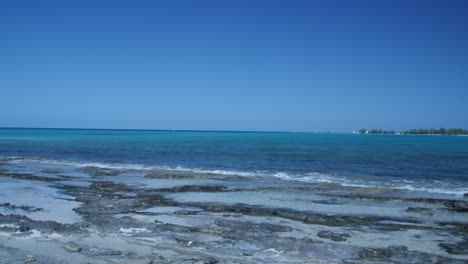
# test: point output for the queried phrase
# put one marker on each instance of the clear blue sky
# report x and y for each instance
(234, 65)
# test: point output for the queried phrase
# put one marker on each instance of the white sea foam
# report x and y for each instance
(121, 166)
(126, 166)
(408, 185)
(117, 166)
(223, 172)
(312, 177)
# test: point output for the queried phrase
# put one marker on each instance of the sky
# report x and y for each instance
(319, 66)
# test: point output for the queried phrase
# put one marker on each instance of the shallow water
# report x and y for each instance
(53, 205)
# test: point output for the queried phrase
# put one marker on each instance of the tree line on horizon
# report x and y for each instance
(441, 131)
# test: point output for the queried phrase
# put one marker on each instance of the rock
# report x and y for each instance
(49, 171)
(102, 252)
(337, 237)
(418, 210)
(21, 207)
(132, 255)
(175, 228)
(210, 261)
(251, 227)
(202, 261)
(186, 212)
(108, 187)
(455, 248)
(458, 206)
(163, 174)
(308, 218)
(375, 253)
(465, 195)
(97, 171)
(30, 259)
(23, 228)
(25, 176)
(72, 247)
(196, 188)
(398, 249)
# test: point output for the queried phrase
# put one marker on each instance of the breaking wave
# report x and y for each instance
(418, 185)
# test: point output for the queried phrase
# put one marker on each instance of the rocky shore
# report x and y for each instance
(180, 217)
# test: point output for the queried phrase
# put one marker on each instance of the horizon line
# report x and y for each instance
(191, 130)
(161, 130)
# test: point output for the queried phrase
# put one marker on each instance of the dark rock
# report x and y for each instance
(132, 255)
(210, 261)
(174, 228)
(97, 171)
(421, 210)
(26, 224)
(289, 214)
(450, 203)
(109, 187)
(458, 206)
(24, 176)
(49, 171)
(398, 248)
(165, 174)
(21, 207)
(196, 188)
(186, 212)
(375, 253)
(337, 237)
(169, 175)
(455, 248)
(251, 227)
(338, 220)
(101, 252)
(308, 218)
(23, 228)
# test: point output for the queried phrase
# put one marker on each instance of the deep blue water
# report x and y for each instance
(413, 157)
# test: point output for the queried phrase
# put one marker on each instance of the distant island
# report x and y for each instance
(441, 131)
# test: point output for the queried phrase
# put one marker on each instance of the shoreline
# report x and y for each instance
(119, 216)
(178, 172)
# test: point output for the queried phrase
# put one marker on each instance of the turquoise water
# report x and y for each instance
(402, 161)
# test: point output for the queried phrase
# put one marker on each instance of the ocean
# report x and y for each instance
(134, 196)
(433, 164)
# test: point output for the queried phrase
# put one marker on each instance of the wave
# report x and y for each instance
(366, 182)
(116, 166)
(126, 166)
(418, 185)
